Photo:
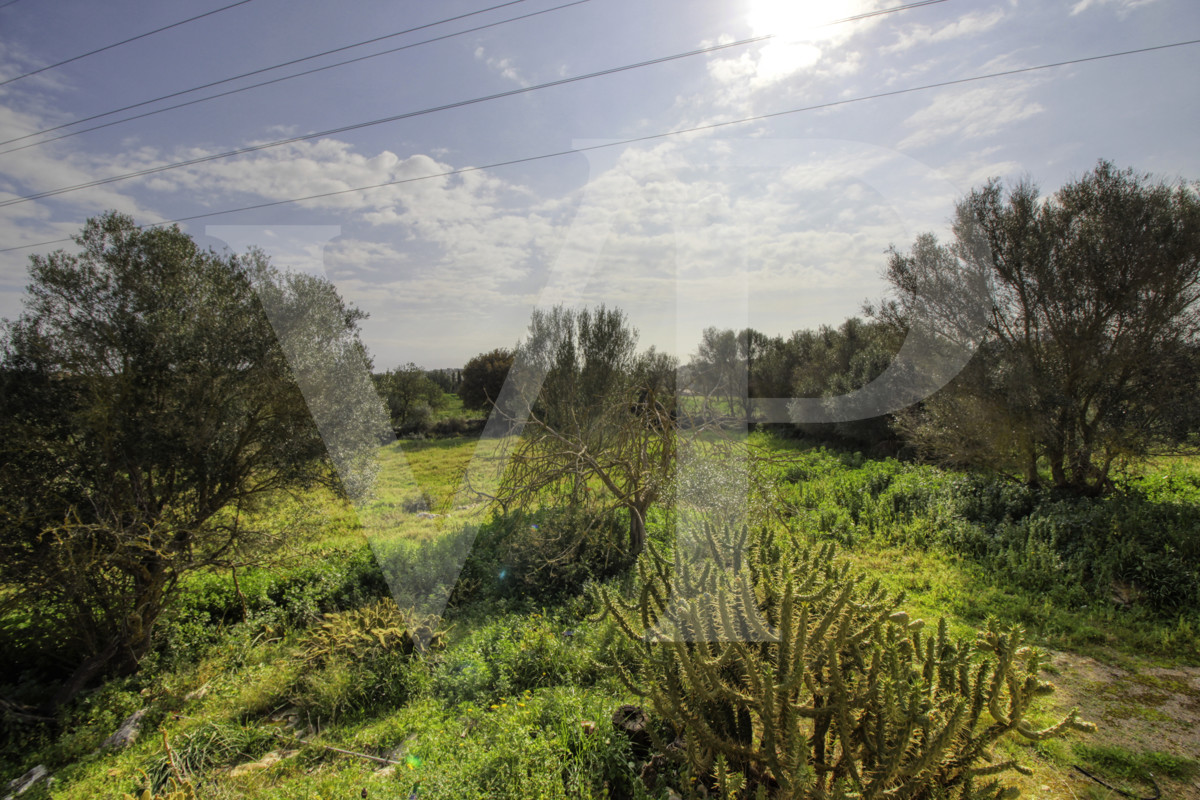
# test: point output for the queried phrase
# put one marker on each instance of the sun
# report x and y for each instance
(790, 20)
(800, 28)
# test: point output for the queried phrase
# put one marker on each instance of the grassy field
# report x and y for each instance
(265, 688)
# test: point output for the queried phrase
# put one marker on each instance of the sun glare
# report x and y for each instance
(799, 28)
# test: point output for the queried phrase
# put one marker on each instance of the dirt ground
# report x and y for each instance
(1139, 708)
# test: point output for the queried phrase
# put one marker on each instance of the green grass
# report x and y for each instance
(1132, 770)
(452, 406)
(517, 702)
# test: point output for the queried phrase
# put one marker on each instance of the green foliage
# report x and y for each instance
(512, 654)
(361, 659)
(786, 670)
(545, 556)
(831, 362)
(1136, 546)
(146, 408)
(364, 633)
(201, 749)
(546, 744)
(1088, 301)
(411, 398)
(278, 598)
(483, 377)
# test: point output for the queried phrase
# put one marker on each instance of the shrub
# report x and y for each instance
(785, 677)
(545, 556)
(283, 598)
(1134, 547)
(512, 654)
(360, 659)
(204, 748)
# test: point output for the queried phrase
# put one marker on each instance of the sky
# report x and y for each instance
(507, 194)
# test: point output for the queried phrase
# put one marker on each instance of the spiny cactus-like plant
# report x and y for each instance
(367, 631)
(785, 676)
(176, 790)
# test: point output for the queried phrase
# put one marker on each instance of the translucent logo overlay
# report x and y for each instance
(712, 485)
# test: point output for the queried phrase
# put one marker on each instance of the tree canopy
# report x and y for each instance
(145, 404)
(411, 396)
(602, 424)
(1091, 325)
(483, 377)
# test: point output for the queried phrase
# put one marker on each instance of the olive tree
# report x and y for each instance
(1091, 320)
(483, 377)
(411, 397)
(600, 426)
(146, 404)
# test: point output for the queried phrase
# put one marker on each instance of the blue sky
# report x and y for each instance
(781, 224)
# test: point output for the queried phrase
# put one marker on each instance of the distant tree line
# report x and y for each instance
(149, 395)
(1089, 355)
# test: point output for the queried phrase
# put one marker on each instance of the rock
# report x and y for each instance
(196, 694)
(19, 786)
(631, 721)
(269, 760)
(126, 734)
(289, 716)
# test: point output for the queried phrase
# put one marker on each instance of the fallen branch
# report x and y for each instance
(378, 759)
(1157, 792)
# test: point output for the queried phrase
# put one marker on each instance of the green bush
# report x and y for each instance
(786, 677)
(283, 598)
(1135, 547)
(204, 748)
(362, 660)
(546, 556)
(512, 654)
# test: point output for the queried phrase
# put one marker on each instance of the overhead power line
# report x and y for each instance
(266, 83)
(258, 71)
(380, 121)
(645, 138)
(422, 112)
(126, 41)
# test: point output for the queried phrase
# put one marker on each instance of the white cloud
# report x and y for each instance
(1123, 7)
(971, 113)
(807, 36)
(504, 66)
(971, 24)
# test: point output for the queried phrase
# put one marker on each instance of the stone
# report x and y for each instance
(19, 786)
(127, 733)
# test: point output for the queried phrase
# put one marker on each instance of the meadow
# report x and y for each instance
(300, 679)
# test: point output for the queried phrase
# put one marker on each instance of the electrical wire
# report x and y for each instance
(263, 83)
(379, 121)
(254, 72)
(424, 111)
(648, 137)
(126, 41)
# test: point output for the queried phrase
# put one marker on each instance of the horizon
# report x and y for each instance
(869, 120)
